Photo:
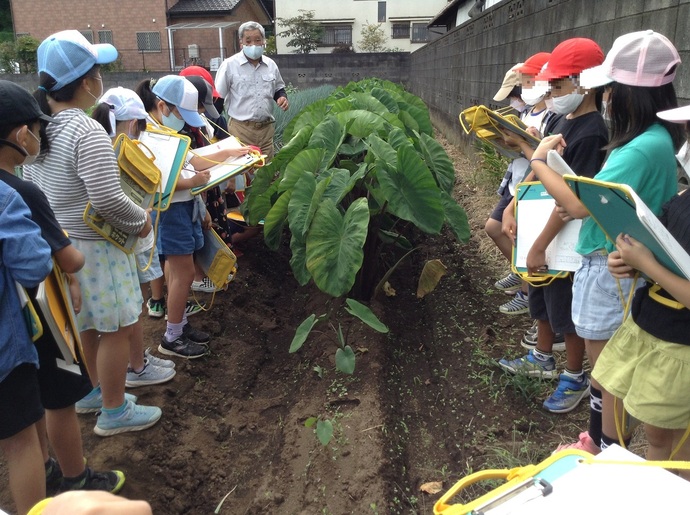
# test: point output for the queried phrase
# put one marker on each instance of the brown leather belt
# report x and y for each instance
(253, 124)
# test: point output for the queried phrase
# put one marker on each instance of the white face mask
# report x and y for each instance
(253, 52)
(549, 104)
(517, 104)
(567, 103)
(532, 97)
(29, 159)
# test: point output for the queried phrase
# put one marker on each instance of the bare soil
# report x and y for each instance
(426, 402)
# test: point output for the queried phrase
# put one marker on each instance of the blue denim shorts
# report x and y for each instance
(598, 301)
(178, 235)
(153, 271)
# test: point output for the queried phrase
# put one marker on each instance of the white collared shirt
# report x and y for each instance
(248, 90)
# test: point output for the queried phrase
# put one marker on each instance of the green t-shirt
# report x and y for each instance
(648, 165)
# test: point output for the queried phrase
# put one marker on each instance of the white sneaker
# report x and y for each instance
(155, 360)
(150, 375)
(205, 286)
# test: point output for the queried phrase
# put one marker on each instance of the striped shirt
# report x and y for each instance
(81, 167)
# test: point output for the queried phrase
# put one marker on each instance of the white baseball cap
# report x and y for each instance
(677, 115)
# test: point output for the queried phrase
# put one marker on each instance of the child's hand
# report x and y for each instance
(555, 142)
(633, 252)
(617, 266)
(207, 223)
(509, 225)
(565, 216)
(236, 152)
(75, 292)
(201, 178)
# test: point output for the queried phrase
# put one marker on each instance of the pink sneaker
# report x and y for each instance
(584, 443)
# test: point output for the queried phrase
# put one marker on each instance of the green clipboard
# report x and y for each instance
(617, 209)
(170, 151)
(533, 207)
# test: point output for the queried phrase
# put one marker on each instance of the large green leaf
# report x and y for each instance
(439, 163)
(411, 99)
(339, 106)
(309, 160)
(397, 138)
(366, 315)
(329, 135)
(409, 120)
(298, 261)
(310, 117)
(363, 122)
(411, 191)
(386, 99)
(421, 117)
(456, 218)
(291, 149)
(256, 206)
(275, 220)
(369, 103)
(345, 360)
(339, 185)
(385, 154)
(298, 209)
(302, 333)
(335, 245)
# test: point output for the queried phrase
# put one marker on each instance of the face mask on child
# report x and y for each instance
(567, 103)
(173, 122)
(531, 97)
(517, 104)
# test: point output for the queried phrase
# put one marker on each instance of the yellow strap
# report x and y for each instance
(680, 443)
(669, 303)
(667, 464)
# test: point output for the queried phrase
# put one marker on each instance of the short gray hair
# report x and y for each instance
(250, 25)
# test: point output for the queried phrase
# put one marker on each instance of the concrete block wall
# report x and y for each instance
(466, 66)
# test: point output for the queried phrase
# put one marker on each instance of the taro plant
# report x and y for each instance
(359, 171)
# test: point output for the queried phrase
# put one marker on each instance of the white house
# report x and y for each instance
(405, 22)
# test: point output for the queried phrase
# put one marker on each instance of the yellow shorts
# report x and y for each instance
(650, 375)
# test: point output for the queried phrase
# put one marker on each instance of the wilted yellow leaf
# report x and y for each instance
(433, 487)
(388, 289)
(431, 275)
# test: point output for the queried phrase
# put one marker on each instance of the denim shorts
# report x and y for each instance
(178, 235)
(598, 299)
(154, 271)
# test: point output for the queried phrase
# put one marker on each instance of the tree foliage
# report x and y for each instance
(373, 38)
(304, 31)
(19, 55)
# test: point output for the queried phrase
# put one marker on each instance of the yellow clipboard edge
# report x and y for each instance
(512, 476)
(539, 279)
(162, 201)
(508, 124)
(211, 184)
(141, 179)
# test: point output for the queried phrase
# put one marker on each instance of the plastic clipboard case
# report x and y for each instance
(170, 152)
(532, 210)
(617, 209)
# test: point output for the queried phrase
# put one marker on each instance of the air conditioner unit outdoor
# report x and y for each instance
(193, 51)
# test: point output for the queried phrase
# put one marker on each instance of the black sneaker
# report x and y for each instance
(111, 481)
(182, 347)
(194, 335)
(53, 476)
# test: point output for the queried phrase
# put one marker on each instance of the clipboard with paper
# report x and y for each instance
(488, 126)
(617, 209)
(170, 152)
(533, 207)
(221, 172)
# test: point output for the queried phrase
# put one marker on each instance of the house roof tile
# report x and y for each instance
(202, 6)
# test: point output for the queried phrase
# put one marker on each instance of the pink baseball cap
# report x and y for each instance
(645, 58)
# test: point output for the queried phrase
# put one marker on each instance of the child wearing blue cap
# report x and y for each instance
(78, 166)
(171, 102)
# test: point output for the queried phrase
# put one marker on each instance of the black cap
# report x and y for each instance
(18, 106)
(205, 94)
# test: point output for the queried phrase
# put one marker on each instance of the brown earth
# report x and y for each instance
(425, 403)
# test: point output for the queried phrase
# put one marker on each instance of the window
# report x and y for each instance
(88, 34)
(401, 31)
(336, 35)
(105, 36)
(420, 33)
(149, 41)
(382, 12)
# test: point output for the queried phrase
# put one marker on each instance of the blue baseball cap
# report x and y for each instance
(68, 55)
(181, 93)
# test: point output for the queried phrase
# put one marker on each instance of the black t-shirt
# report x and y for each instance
(663, 322)
(41, 212)
(585, 137)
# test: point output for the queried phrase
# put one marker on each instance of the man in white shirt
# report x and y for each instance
(250, 82)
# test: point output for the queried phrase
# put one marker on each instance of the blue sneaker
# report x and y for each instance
(133, 418)
(93, 401)
(568, 394)
(531, 366)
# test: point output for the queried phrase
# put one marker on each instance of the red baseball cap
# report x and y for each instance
(571, 57)
(534, 64)
(203, 73)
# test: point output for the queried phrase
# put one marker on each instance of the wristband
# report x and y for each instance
(537, 159)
